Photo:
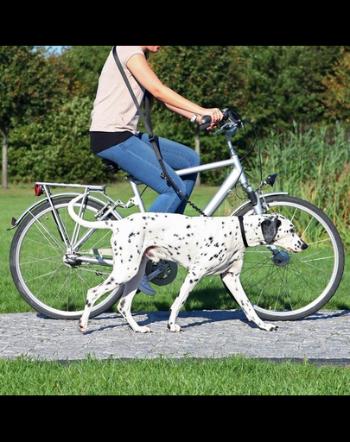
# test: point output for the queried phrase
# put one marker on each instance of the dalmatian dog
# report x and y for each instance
(204, 246)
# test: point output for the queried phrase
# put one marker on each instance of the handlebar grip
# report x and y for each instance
(205, 123)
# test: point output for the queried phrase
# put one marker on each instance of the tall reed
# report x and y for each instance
(314, 165)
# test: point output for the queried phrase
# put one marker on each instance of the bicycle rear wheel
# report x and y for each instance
(288, 286)
(52, 284)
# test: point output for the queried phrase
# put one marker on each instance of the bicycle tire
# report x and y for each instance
(16, 267)
(318, 256)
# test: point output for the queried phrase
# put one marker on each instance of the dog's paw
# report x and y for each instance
(269, 327)
(83, 328)
(174, 327)
(142, 329)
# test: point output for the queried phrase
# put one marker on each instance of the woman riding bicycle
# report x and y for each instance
(114, 134)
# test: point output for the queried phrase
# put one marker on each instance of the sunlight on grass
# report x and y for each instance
(229, 376)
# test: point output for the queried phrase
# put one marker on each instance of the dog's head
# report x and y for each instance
(280, 231)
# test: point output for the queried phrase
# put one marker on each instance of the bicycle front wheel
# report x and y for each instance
(288, 286)
(53, 282)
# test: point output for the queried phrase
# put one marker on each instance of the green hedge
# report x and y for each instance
(56, 149)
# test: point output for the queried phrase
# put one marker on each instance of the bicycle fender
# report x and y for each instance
(263, 195)
(16, 222)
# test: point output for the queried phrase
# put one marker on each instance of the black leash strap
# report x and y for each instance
(244, 238)
(152, 138)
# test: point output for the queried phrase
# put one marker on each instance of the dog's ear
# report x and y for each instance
(269, 229)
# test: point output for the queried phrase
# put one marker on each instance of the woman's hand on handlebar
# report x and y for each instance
(215, 114)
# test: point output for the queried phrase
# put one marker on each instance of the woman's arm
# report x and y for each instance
(138, 66)
(144, 74)
(185, 113)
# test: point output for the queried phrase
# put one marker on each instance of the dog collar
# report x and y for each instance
(244, 238)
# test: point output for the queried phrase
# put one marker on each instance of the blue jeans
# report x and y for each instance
(136, 157)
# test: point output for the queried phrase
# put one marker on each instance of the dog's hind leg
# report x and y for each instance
(124, 305)
(232, 282)
(92, 296)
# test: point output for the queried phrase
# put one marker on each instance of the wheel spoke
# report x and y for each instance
(305, 230)
(36, 260)
(308, 281)
(318, 242)
(51, 239)
(292, 218)
(317, 259)
(271, 277)
(107, 234)
(84, 269)
(67, 278)
(43, 275)
(41, 244)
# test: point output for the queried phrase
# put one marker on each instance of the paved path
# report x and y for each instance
(323, 337)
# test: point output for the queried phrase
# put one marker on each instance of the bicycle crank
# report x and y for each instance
(161, 273)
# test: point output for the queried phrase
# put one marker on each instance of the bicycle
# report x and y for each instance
(53, 261)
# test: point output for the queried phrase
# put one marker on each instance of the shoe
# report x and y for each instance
(145, 287)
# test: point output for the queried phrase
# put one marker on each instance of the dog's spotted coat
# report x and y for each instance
(204, 246)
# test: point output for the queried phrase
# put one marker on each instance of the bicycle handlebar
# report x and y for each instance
(230, 120)
(205, 122)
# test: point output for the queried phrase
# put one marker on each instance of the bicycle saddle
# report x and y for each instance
(114, 168)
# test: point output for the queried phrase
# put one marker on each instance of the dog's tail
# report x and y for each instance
(83, 222)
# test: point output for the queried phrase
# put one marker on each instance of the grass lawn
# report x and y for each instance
(229, 376)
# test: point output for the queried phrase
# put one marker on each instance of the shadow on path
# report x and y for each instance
(198, 318)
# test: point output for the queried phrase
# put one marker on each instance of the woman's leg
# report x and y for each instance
(137, 158)
(177, 156)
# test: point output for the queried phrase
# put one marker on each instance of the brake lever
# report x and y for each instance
(218, 131)
(221, 129)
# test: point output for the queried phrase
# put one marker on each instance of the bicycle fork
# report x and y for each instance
(279, 257)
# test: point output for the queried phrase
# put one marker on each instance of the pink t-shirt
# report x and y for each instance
(114, 109)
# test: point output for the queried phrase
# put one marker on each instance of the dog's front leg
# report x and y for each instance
(233, 283)
(186, 288)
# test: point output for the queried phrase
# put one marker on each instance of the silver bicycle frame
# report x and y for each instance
(237, 174)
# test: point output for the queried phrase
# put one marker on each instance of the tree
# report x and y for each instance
(85, 64)
(284, 83)
(29, 88)
(337, 94)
